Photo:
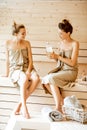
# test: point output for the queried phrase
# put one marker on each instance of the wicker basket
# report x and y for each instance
(76, 114)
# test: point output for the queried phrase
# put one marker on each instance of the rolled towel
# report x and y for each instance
(68, 101)
(84, 78)
(55, 116)
(72, 101)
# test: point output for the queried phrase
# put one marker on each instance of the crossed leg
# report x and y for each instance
(25, 92)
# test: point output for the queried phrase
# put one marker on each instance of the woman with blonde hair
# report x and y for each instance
(20, 66)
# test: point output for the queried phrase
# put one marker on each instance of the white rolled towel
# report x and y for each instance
(72, 101)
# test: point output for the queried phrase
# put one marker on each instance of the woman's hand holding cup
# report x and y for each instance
(49, 50)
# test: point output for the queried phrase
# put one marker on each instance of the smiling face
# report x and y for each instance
(21, 34)
(63, 35)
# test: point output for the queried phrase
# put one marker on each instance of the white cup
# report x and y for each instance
(49, 49)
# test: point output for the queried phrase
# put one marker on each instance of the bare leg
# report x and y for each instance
(18, 107)
(17, 110)
(47, 86)
(32, 87)
(57, 96)
(34, 83)
(23, 87)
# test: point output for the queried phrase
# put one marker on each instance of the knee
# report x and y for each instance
(26, 81)
(36, 78)
(23, 84)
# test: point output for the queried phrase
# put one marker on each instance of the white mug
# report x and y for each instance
(49, 48)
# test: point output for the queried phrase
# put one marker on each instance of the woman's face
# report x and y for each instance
(63, 35)
(21, 34)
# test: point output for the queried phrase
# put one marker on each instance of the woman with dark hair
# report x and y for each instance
(67, 68)
(20, 66)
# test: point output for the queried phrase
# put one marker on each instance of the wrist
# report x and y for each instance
(27, 72)
(56, 57)
(59, 57)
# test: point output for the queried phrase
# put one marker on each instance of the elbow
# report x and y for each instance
(73, 64)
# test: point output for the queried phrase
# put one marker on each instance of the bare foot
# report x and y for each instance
(26, 115)
(17, 110)
(25, 112)
(59, 108)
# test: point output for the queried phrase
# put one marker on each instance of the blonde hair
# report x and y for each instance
(16, 28)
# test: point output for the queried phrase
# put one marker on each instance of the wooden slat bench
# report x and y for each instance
(9, 95)
(38, 122)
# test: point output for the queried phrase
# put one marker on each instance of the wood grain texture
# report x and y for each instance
(41, 19)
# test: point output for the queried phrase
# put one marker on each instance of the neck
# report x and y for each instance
(18, 41)
(67, 40)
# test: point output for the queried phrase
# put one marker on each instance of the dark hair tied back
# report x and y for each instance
(66, 26)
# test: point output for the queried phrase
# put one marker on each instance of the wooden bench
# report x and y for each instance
(38, 122)
(9, 95)
(41, 60)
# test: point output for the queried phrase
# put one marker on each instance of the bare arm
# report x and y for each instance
(74, 56)
(30, 66)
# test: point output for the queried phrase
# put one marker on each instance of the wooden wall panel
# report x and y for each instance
(40, 58)
(41, 19)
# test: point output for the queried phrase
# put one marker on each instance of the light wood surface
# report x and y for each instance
(41, 19)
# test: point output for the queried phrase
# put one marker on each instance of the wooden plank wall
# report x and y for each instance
(41, 19)
(40, 58)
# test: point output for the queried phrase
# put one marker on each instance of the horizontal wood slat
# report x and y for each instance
(2, 125)
(9, 97)
(41, 21)
(39, 53)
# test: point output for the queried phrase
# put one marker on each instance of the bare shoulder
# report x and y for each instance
(8, 42)
(75, 44)
(28, 44)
